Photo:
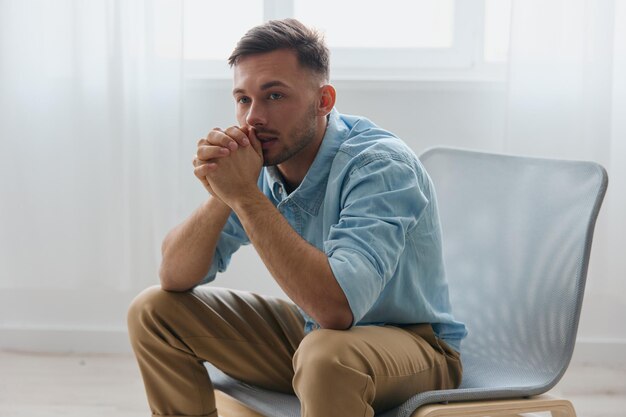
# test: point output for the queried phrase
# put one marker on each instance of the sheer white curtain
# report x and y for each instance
(90, 122)
(94, 168)
(567, 99)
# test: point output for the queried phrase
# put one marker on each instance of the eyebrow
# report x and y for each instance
(265, 86)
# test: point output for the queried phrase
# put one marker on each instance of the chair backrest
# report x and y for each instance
(517, 234)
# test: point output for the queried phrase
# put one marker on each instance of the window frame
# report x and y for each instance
(463, 61)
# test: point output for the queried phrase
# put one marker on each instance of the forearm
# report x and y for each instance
(300, 269)
(188, 249)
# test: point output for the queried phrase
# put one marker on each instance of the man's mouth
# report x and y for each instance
(267, 141)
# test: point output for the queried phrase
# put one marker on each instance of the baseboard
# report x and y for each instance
(65, 340)
(601, 352)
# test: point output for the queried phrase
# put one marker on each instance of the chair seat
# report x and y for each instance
(253, 401)
(268, 403)
(265, 402)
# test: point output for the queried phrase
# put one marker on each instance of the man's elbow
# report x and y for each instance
(171, 281)
(340, 319)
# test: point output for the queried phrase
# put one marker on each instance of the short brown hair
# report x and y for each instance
(308, 44)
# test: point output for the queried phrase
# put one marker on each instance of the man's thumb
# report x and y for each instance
(254, 141)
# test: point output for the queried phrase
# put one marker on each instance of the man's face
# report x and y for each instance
(278, 97)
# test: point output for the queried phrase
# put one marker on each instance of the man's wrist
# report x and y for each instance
(247, 200)
(217, 206)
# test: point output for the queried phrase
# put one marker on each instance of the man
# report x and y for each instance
(344, 217)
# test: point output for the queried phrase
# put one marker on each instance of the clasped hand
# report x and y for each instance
(228, 163)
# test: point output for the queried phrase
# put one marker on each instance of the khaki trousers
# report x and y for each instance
(260, 340)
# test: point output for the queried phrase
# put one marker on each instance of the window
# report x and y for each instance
(497, 29)
(209, 29)
(369, 39)
(420, 24)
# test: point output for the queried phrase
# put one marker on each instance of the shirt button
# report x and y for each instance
(280, 189)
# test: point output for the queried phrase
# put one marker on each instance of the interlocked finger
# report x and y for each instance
(238, 135)
(208, 152)
(231, 138)
(203, 169)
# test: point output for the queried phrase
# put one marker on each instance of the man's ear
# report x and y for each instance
(328, 96)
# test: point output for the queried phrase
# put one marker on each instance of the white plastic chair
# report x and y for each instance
(517, 234)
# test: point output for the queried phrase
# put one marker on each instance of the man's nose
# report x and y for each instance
(256, 116)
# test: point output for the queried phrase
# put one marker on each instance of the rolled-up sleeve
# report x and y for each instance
(381, 201)
(231, 238)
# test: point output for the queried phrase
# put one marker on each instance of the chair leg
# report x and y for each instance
(227, 406)
(499, 408)
(566, 410)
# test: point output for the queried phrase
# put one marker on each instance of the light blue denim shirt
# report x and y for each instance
(369, 205)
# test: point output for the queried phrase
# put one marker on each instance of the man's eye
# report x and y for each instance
(275, 96)
(243, 100)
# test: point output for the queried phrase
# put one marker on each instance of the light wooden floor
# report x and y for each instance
(49, 385)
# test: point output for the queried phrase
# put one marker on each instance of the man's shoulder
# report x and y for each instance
(366, 142)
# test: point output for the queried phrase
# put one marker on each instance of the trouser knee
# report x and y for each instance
(325, 361)
(146, 309)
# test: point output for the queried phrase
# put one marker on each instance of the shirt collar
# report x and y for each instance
(310, 194)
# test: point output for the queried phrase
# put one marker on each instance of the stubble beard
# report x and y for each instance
(304, 134)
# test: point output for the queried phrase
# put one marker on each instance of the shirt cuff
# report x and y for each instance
(356, 277)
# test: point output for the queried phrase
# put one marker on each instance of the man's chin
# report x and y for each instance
(267, 162)
(270, 162)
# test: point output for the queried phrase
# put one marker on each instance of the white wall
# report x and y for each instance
(467, 114)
